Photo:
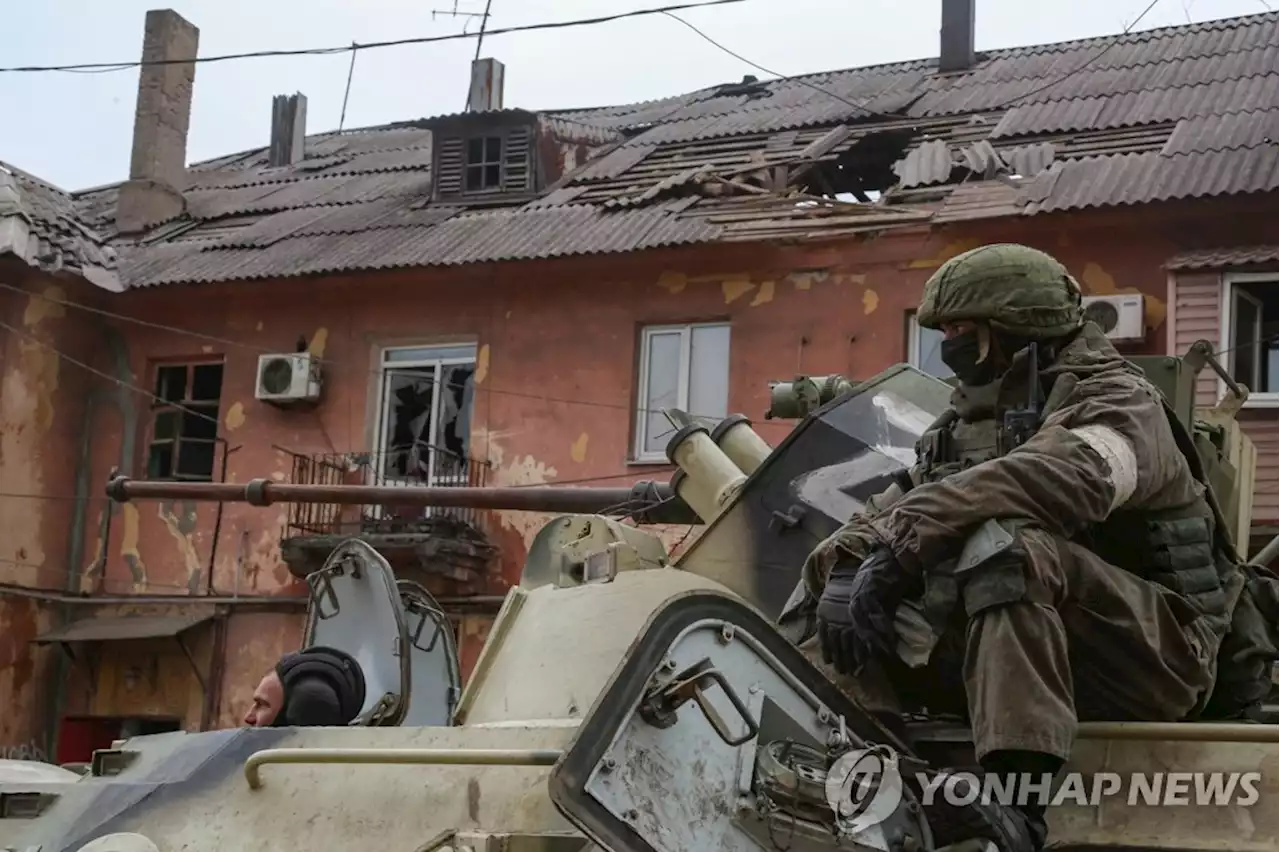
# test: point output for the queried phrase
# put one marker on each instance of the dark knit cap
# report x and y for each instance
(322, 686)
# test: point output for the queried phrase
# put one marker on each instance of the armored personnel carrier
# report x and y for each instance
(630, 702)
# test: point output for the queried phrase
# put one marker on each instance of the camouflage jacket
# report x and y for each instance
(1104, 446)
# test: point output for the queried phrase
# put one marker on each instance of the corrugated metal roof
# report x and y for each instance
(1176, 112)
(1221, 258)
(463, 238)
(108, 629)
(1139, 178)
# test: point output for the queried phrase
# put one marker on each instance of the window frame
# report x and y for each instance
(1226, 337)
(385, 368)
(484, 163)
(180, 408)
(647, 333)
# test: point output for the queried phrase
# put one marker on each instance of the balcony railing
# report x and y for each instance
(412, 466)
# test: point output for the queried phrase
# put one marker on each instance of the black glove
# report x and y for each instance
(855, 614)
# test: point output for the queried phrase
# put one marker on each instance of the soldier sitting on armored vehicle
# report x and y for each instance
(318, 686)
(1055, 546)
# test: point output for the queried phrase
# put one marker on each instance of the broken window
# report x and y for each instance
(484, 163)
(685, 367)
(425, 414)
(924, 349)
(1252, 303)
(184, 421)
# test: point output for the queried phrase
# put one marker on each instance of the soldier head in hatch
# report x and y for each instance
(990, 302)
(316, 687)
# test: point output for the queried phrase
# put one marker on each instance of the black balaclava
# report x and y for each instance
(322, 686)
(963, 355)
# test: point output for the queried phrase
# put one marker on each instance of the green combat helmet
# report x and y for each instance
(1015, 288)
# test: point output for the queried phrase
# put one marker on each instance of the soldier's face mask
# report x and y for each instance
(971, 356)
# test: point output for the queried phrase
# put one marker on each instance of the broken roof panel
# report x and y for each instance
(40, 222)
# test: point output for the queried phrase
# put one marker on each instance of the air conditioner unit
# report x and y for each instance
(288, 379)
(1121, 318)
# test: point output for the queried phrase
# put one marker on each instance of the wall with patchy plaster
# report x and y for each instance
(43, 407)
(556, 378)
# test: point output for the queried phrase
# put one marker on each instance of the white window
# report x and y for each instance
(684, 367)
(924, 349)
(424, 415)
(1250, 305)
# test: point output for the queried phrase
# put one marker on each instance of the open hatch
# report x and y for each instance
(710, 736)
(396, 632)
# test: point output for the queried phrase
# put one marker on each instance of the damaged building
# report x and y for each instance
(501, 297)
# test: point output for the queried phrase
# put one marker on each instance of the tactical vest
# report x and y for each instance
(1173, 547)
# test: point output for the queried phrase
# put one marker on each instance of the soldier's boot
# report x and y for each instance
(1013, 827)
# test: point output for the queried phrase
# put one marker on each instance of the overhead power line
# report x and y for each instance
(862, 105)
(326, 51)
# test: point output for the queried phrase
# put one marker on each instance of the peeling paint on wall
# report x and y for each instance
(765, 295)
(482, 362)
(735, 287)
(806, 280)
(235, 416)
(129, 544)
(27, 396)
(578, 450)
(1098, 282)
(521, 470)
(672, 282)
(319, 339)
(180, 519)
(89, 576)
(46, 305)
(870, 301)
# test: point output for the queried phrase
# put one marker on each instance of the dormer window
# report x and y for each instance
(484, 160)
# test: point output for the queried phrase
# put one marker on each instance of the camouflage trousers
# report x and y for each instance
(1086, 642)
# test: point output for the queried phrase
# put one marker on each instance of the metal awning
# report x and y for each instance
(116, 628)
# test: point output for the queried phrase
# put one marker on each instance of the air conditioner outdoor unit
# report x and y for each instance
(288, 379)
(1121, 318)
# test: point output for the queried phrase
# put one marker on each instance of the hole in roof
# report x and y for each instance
(863, 171)
(750, 88)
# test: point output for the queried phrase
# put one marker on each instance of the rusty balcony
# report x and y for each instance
(449, 542)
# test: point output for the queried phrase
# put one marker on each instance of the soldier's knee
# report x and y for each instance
(993, 569)
(998, 582)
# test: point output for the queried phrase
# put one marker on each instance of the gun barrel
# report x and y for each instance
(646, 501)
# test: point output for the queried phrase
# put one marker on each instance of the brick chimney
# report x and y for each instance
(486, 85)
(956, 49)
(157, 169)
(288, 130)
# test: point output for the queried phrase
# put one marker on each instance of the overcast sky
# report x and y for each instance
(74, 129)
